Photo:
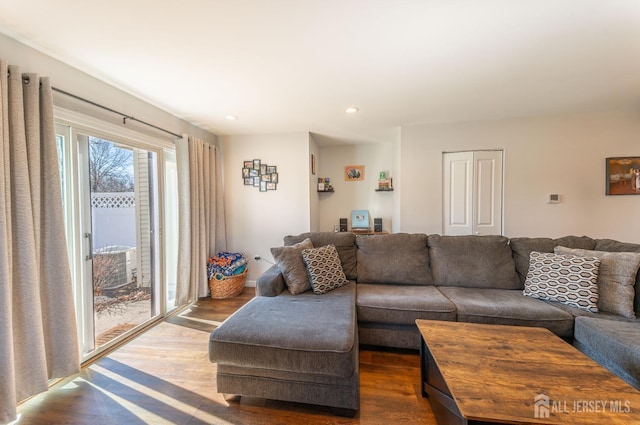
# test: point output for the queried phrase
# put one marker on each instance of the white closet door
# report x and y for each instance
(472, 193)
(487, 193)
(458, 193)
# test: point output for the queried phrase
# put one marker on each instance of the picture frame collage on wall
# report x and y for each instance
(263, 176)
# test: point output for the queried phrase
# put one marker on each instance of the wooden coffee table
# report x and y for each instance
(492, 374)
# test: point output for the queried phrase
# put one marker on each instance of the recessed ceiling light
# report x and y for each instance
(231, 117)
(351, 110)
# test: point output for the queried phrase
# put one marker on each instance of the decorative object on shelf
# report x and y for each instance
(262, 176)
(623, 175)
(354, 173)
(384, 184)
(227, 272)
(313, 164)
(324, 184)
(360, 221)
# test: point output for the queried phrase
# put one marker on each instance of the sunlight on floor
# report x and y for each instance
(139, 411)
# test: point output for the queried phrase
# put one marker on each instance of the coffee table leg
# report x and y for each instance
(424, 364)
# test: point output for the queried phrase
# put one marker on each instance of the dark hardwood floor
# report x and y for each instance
(164, 376)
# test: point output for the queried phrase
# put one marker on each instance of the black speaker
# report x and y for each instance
(343, 224)
(377, 225)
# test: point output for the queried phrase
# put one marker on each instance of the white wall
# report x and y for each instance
(72, 80)
(257, 221)
(355, 195)
(559, 154)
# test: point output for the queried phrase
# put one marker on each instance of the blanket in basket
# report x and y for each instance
(226, 264)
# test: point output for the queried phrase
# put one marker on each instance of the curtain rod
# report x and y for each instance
(125, 117)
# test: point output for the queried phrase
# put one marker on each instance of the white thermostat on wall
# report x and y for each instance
(553, 198)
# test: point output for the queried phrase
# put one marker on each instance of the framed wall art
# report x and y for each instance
(354, 173)
(623, 175)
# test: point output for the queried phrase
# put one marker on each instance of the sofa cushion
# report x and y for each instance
(616, 277)
(610, 245)
(274, 333)
(568, 279)
(522, 247)
(292, 267)
(325, 270)
(613, 344)
(345, 243)
(473, 262)
(507, 307)
(398, 258)
(401, 304)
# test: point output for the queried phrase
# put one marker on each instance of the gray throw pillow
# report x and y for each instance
(325, 269)
(291, 265)
(616, 279)
(567, 279)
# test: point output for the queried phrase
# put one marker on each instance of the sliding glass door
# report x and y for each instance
(112, 189)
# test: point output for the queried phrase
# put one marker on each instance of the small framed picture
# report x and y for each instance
(271, 186)
(265, 177)
(256, 164)
(248, 164)
(253, 173)
(271, 169)
(354, 173)
(256, 181)
(274, 177)
(263, 169)
(248, 181)
(245, 173)
(623, 175)
(263, 186)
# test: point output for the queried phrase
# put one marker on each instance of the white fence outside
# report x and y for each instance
(113, 219)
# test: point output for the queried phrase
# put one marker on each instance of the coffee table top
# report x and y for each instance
(515, 374)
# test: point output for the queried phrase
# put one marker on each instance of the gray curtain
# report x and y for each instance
(202, 230)
(38, 338)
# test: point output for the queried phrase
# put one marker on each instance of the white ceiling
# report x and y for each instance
(295, 65)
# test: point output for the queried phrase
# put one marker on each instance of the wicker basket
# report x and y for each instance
(222, 287)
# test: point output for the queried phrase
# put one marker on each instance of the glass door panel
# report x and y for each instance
(122, 236)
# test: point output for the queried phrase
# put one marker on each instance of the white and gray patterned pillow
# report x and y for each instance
(616, 278)
(324, 268)
(567, 279)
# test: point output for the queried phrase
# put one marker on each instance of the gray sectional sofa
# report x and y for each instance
(304, 347)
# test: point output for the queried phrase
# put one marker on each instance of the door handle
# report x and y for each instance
(89, 256)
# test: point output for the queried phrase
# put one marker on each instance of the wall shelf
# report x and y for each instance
(325, 191)
(384, 190)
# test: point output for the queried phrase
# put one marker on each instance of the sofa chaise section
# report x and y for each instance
(613, 344)
(301, 348)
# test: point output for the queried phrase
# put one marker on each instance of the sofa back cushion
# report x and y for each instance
(344, 242)
(473, 262)
(615, 246)
(398, 258)
(522, 248)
